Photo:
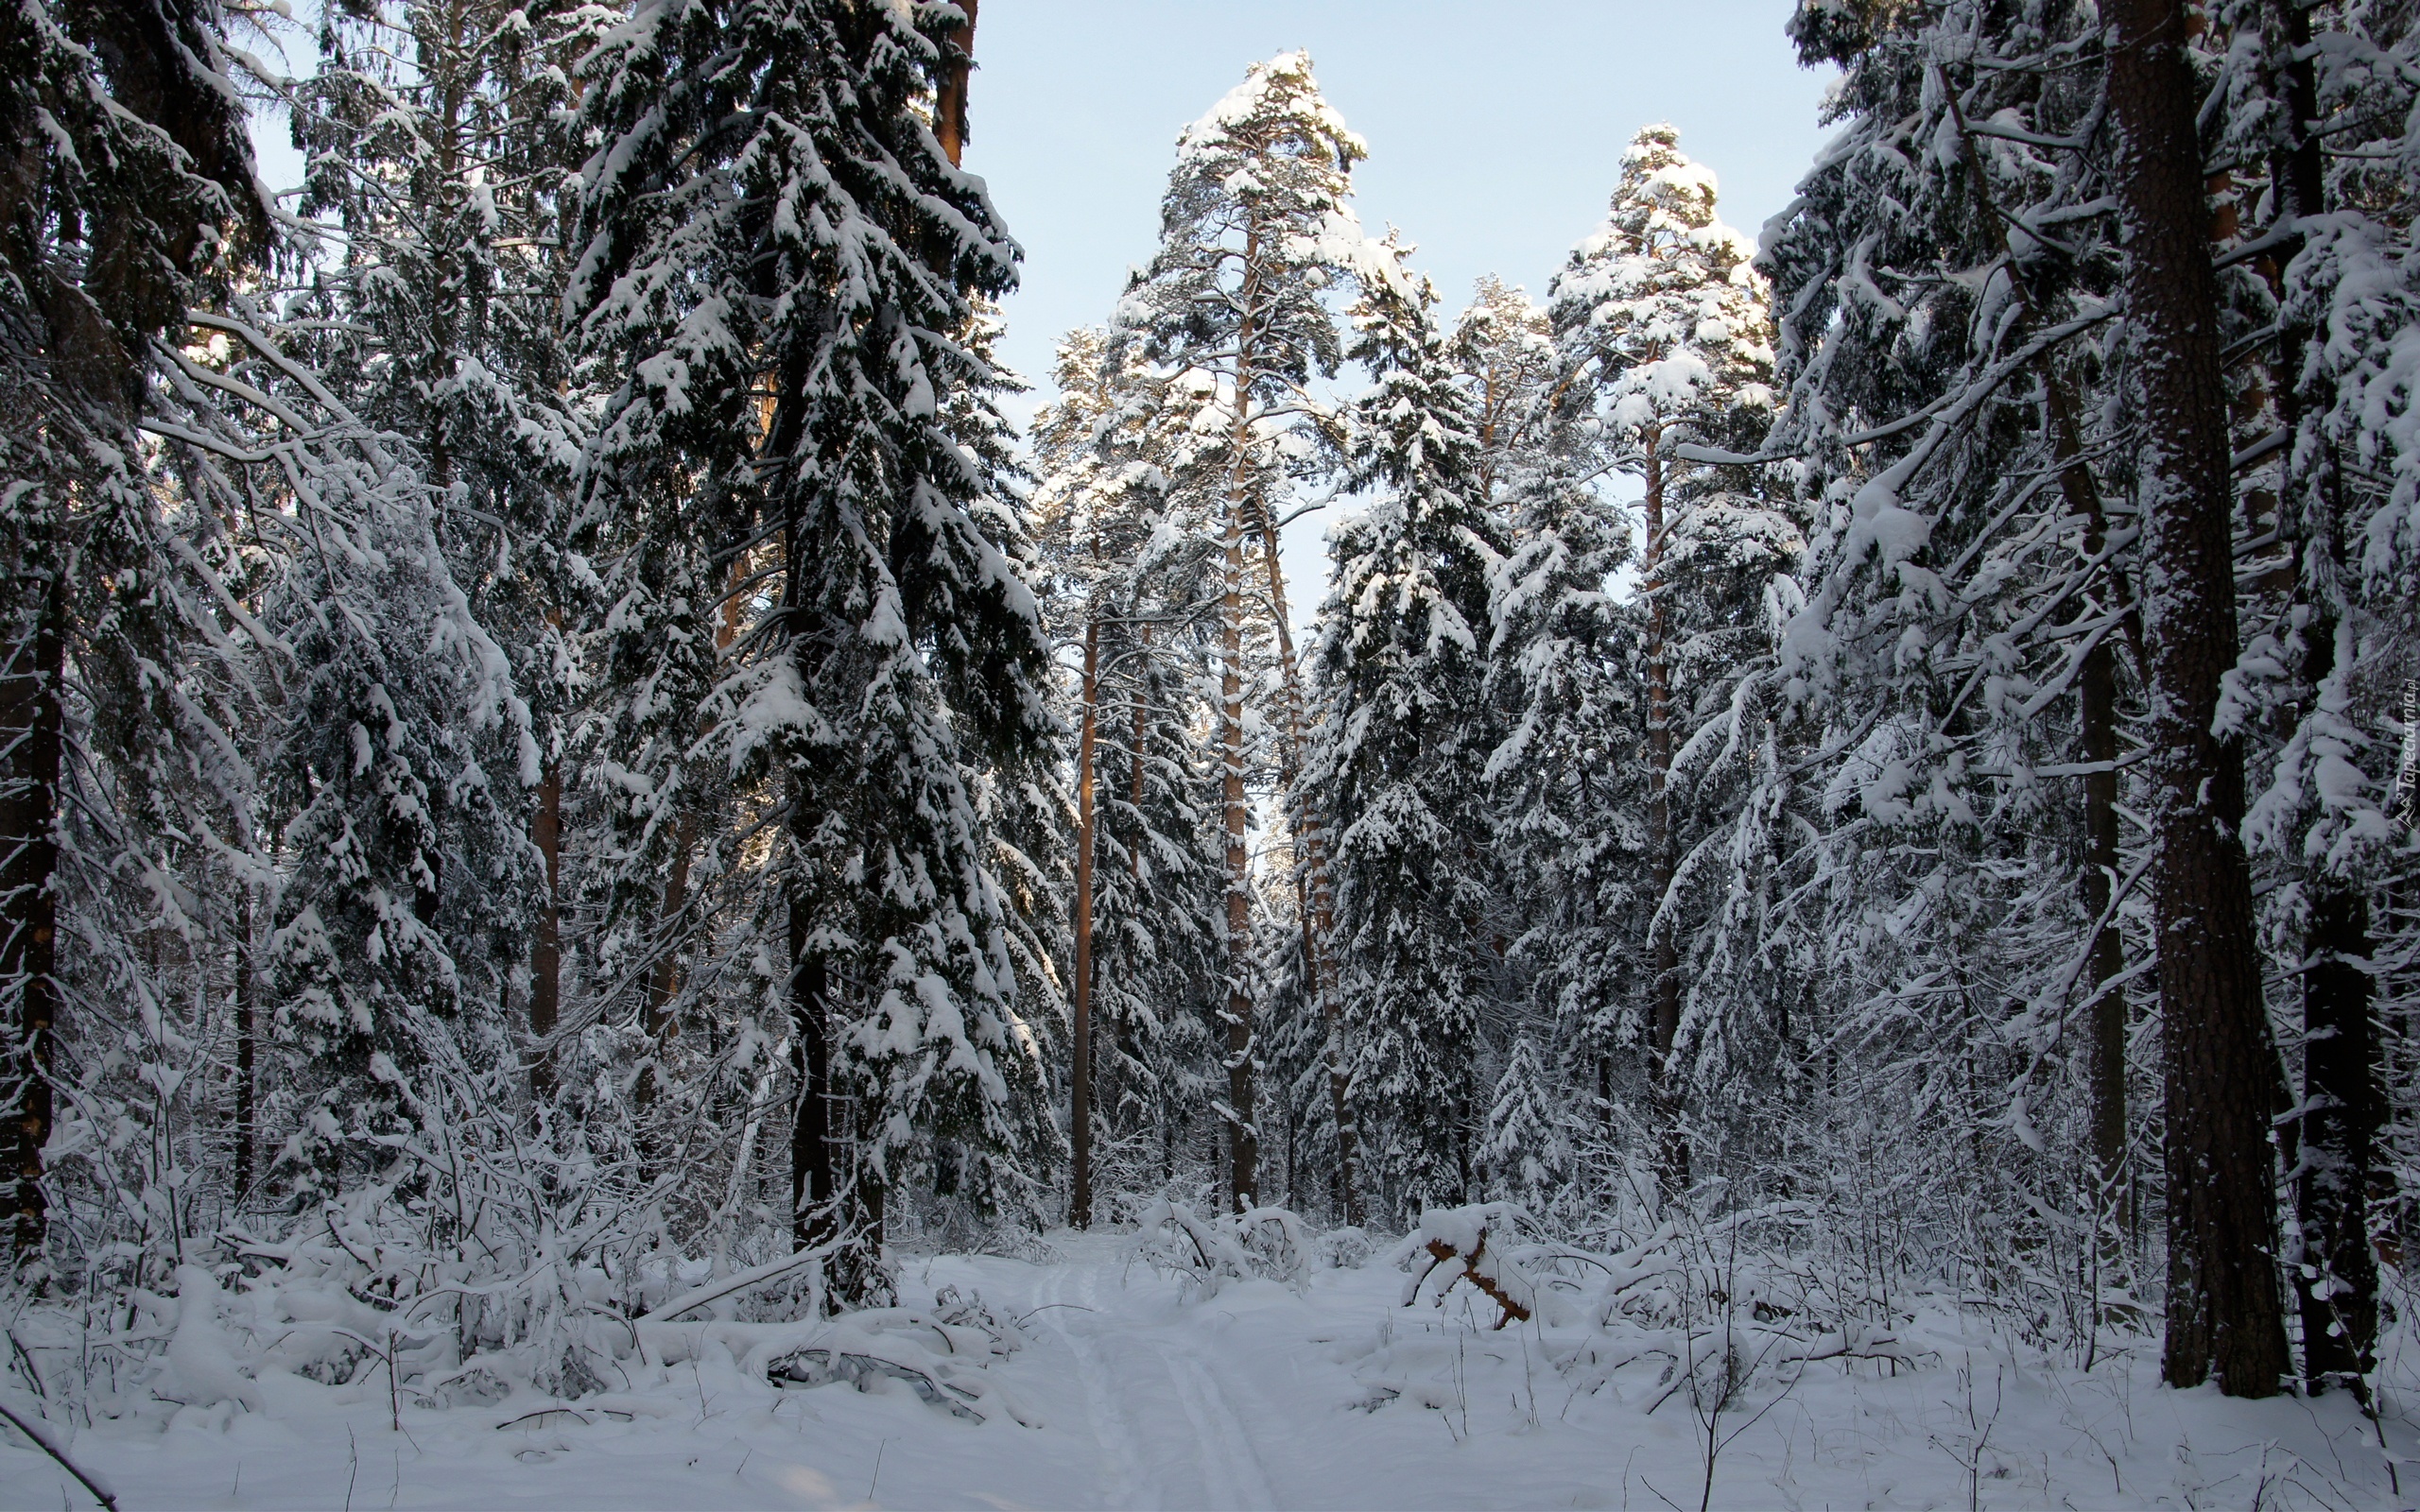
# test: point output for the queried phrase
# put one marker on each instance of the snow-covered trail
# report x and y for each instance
(1169, 1436)
(1135, 1393)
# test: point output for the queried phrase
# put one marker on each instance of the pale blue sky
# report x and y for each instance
(1495, 133)
(1494, 130)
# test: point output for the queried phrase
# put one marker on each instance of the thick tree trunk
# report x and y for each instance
(32, 733)
(2223, 1311)
(1243, 1139)
(811, 1183)
(1080, 1095)
(546, 954)
(1318, 919)
(1664, 981)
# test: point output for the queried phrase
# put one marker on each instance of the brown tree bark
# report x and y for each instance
(1318, 921)
(32, 735)
(1142, 740)
(1079, 1096)
(2223, 1314)
(1243, 1141)
(949, 103)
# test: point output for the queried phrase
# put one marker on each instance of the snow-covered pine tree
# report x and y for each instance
(435, 142)
(1400, 749)
(779, 256)
(1665, 341)
(1150, 915)
(1256, 232)
(133, 185)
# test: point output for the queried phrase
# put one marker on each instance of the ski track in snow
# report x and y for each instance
(1231, 1466)
(1165, 1402)
(1121, 1469)
(1170, 1437)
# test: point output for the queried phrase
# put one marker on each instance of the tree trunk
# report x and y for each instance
(246, 1074)
(1243, 1142)
(664, 978)
(1080, 1095)
(1142, 740)
(2336, 1282)
(546, 956)
(1318, 926)
(32, 732)
(2105, 957)
(811, 1184)
(1672, 1151)
(2223, 1311)
(2097, 734)
(2336, 1285)
(949, 102)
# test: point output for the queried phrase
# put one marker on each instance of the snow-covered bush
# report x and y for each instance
(1265, 1243)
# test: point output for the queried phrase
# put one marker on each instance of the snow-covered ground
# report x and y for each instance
(1137, 1393)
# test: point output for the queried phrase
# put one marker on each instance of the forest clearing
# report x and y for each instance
(633, 874)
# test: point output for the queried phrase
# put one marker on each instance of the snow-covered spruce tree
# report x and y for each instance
(1524, 1149)
(133, 184)
(1400, 750)
(389, 785)
(1254, 233)
(1561, 667)
(2328, 609)
(1664, 339)
(779, 258)
(1987, 474)
(1957, 676)
(436, 141)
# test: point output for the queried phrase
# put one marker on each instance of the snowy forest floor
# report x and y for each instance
(1143, 1395)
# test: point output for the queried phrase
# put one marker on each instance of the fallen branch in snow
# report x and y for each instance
(43, 1441)
(1513, 1311)
(1462, 1233)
